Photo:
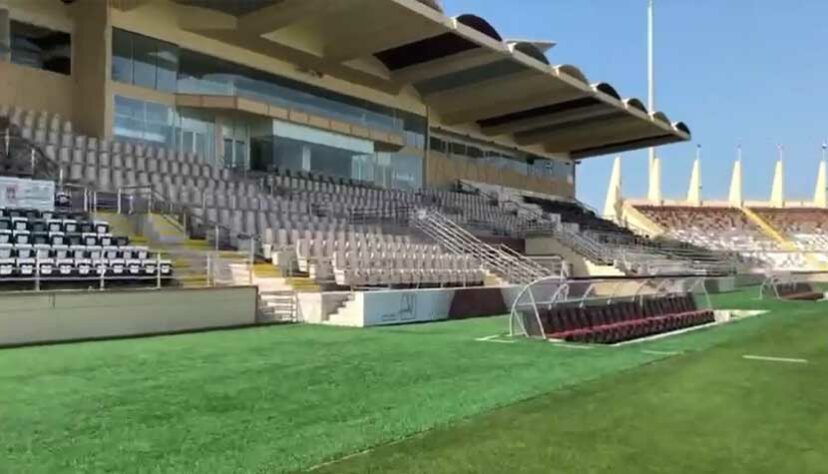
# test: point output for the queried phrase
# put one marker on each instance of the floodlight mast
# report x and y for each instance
(650, 69)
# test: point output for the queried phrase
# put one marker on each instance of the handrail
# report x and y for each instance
(458, 240)
(14, 144)
(157, 201)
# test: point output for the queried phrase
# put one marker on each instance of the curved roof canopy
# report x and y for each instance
(463, 69)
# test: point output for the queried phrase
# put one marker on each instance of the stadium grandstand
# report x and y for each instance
(767, 236)
(179, 166)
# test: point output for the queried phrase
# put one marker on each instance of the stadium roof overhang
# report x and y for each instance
(465, 72)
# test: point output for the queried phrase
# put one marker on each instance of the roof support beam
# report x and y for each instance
(378, 36)
(503, 88)
(576, 130)
(446, 65)
(204, 19)
(272, 49)
(623, 146)
(603, 137)
(549, 120)
(484, 109)
(275, 17)
(127, 5)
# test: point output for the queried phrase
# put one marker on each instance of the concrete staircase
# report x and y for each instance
(277, 306)
(493, 280)
(190, 260)
(347, 313)
(120, 224)
(162, 228)
(277, 293)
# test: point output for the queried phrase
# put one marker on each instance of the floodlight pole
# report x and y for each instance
(650, 72)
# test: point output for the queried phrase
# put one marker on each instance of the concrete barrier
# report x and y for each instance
(30, 318)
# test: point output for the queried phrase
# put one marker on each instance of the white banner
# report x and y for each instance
(27, 194)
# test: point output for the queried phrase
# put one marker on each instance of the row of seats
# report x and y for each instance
(574, 213)
(721, 228)
(24, 237)
(729, 229)
(798, 291)
(67, 226)
(375, 268)
(807, 227)
(25, 261)
(310, 177)
(70, 246)
(375, 259)
(36, 120)
(622, 321)
(600, 240)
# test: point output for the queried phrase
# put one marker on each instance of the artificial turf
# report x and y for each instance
(289, 398)
(699, 411)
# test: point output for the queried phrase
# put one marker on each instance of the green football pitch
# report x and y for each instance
(425, 398)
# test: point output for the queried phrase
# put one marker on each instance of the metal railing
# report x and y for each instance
(24, 157)
(515, 269)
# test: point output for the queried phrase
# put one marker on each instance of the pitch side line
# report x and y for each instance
(494, 339)
(665, 353)
(775, 359)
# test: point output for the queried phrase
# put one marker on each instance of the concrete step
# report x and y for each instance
(162, 228)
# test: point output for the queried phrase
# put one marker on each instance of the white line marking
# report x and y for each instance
(571, 346)
(494, 339)
(665, 353)
(775, 359)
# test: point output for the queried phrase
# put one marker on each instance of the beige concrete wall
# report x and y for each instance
(34, 89)
(55, 15)
(92, 65)
(66, 316)
(442, 170)
(580, 266)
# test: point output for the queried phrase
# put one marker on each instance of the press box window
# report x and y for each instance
(144, 61)
(41, 48)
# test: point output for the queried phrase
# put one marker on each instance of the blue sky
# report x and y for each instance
(749, 72)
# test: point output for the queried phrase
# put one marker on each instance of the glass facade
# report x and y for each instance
(299, 148)
(154, 64)
(244, 141)
(144, 61)
(195, 133)
(144, 121)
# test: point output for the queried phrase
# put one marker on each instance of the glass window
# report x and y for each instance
(199, 73)
(458, 148)
(143, 121)
(144, 61)
(167, 63)
(121, 56)
(144, 69)
(40, 48)
(406, 171)
(474, 152)
(437, 145)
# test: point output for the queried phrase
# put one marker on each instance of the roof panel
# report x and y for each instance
(469, 76)
(463, 70)
(424, 51)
